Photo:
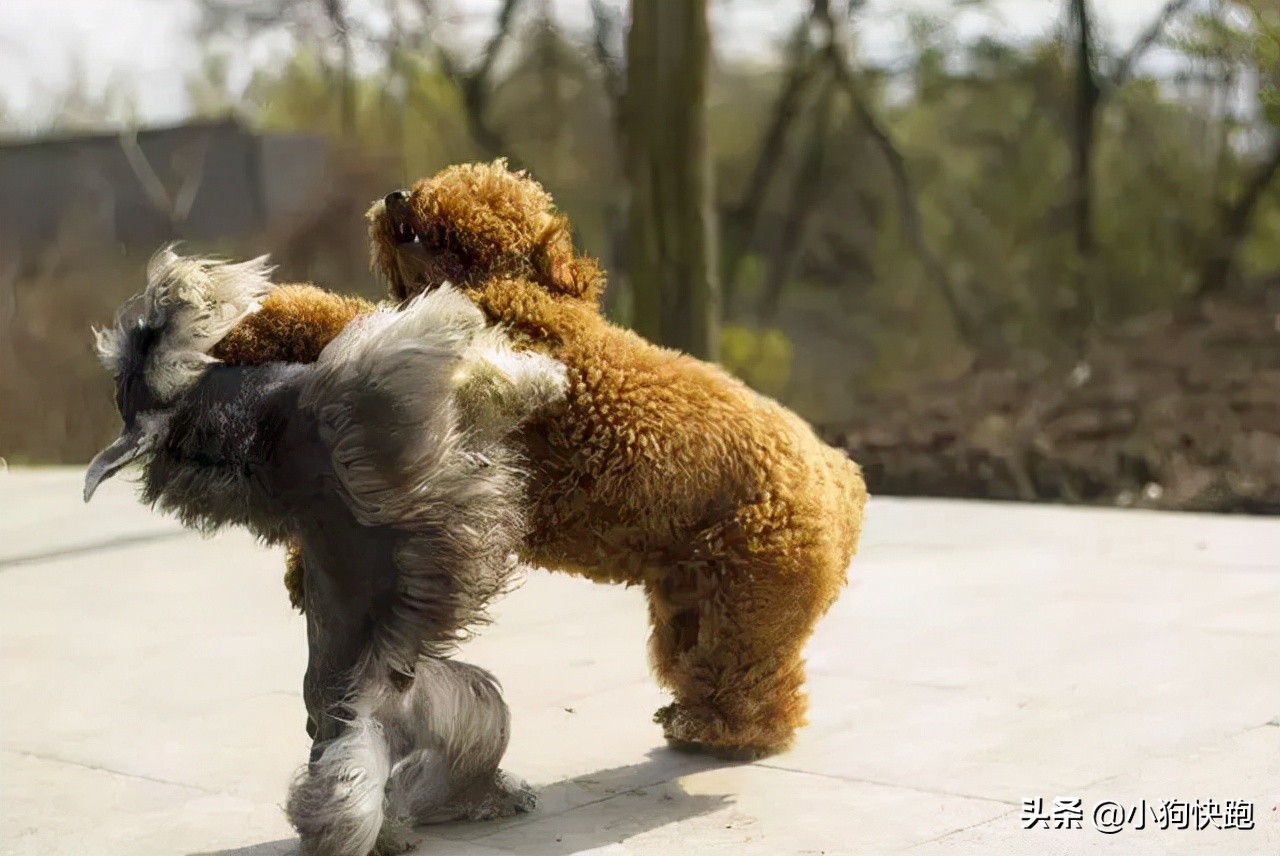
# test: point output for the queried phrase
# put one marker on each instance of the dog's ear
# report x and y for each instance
(557, 265)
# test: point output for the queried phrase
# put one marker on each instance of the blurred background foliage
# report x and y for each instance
(892, 240)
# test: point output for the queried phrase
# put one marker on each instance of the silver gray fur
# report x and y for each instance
(389, 461)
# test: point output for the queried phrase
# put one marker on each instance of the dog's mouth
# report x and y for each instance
(412, 259)
(404, 233)
(401, 219)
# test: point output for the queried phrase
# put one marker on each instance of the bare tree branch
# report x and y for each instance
(152, 186)
(502, 32)
(1146, 40)
(546, 49)
(607, 26)
(1239, 214)
(608, 41)
(1088, 100)
(806, 193)
(189, 163)
(1237, 220)
(335, 12)
(317, 20)
(742, 220)
(476, 85)
(904, 187)
(1090, 97)
(218, 15)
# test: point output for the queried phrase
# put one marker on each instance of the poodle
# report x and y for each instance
(658, 470)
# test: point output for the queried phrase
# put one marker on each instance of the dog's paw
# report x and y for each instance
(523, 798)
(394, 838)
(741, 754)
(707, 734)
(510, 795)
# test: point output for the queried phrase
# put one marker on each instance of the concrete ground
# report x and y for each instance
(984, 655)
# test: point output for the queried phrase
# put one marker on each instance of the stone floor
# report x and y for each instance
(985, 655)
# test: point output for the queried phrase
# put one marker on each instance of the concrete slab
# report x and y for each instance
(984, 656)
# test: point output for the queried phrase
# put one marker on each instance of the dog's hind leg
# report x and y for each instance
(451, 729)
(729, 634)
(734, 668)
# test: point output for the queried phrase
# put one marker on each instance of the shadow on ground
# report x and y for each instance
(589, 811)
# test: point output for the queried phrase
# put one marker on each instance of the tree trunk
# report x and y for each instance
(672, 262)
(1088, 98)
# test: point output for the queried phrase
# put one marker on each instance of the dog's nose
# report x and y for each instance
(396, 197)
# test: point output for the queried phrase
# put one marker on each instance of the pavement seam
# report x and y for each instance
(8, 562)
(952, 832)
(55, 759)
(858, 780)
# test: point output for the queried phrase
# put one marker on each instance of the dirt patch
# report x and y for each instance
(1174, 411)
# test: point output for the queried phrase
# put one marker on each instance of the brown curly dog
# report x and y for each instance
(661, 470)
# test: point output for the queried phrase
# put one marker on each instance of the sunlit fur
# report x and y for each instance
(390, 461)
(195, 302)
(435, 465)
(408, 756)
(661, 471)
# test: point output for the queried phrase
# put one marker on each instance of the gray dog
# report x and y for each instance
(388, 461)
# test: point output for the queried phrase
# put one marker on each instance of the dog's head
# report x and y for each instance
(474, 223)
(158, 348)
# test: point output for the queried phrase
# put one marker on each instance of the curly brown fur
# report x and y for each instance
(661, 471)
(292, 325)
(483, 223)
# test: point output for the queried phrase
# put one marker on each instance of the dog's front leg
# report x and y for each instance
(336, 802)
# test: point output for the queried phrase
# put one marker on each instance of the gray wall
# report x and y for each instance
(243, 183)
